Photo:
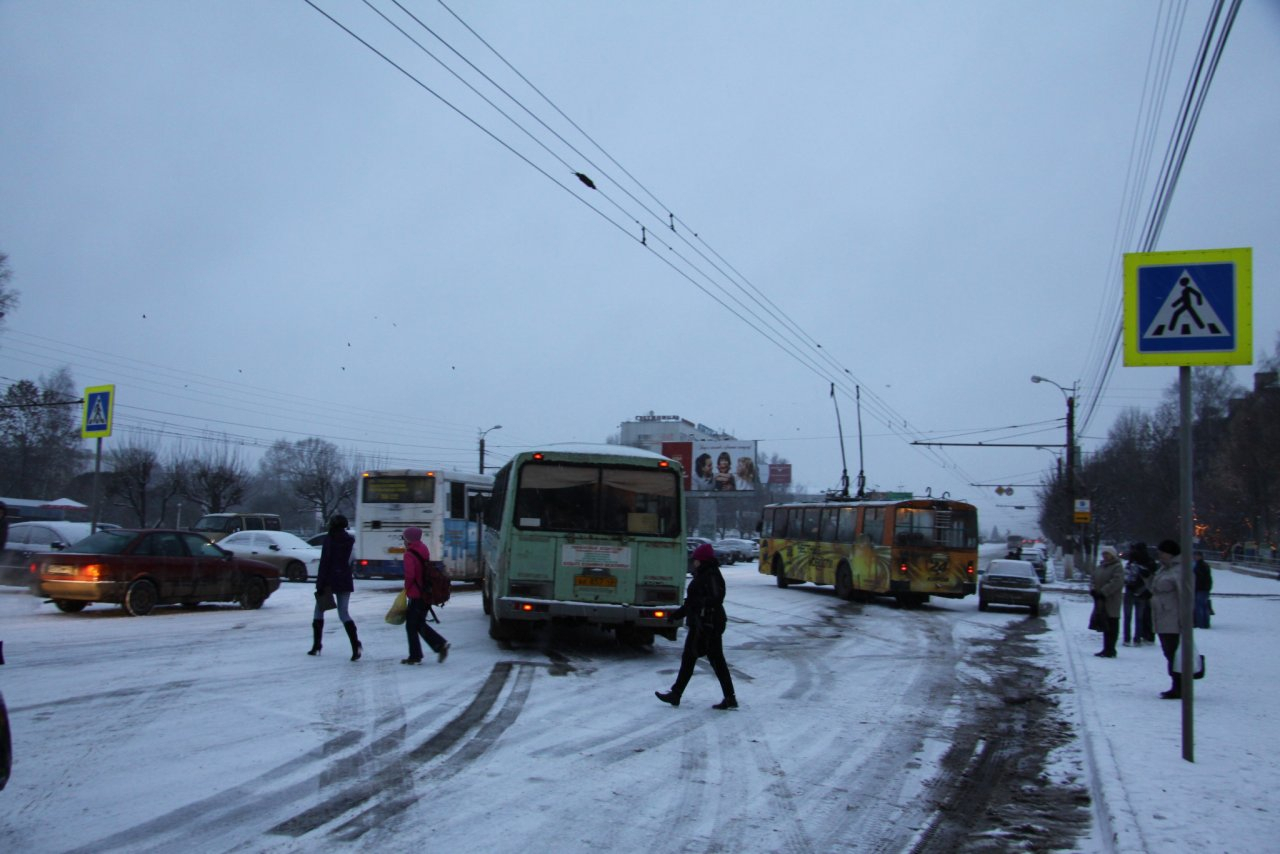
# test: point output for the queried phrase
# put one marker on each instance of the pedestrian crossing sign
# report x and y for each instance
(98, 403)
(1188, 308)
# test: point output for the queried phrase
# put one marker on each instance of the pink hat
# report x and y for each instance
(413, 535)
(704, 552)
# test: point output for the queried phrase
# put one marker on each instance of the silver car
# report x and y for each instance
(29, 540)
(1010, 582)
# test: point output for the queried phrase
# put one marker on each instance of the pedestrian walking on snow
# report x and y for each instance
(704, 615)
(416, 590)
(333, 578)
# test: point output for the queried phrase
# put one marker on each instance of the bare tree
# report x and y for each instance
(140, 482)
(314, 471)
(215, 478)
(8, 296)
(40, 447)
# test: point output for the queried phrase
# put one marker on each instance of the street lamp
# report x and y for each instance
(1071, 437)
(484, 433)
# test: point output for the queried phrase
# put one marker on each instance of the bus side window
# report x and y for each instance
(873, 524)
(812, 522)
(830, 520)
(847, 526)
(766, 523)
(457, 500)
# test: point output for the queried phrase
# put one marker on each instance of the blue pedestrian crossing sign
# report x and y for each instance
(1188, 308)
(98, 402)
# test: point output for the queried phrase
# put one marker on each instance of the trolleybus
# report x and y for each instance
(589, 534)
(910, 549)
(444, 504)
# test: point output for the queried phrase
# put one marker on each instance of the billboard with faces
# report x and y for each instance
(719, 465)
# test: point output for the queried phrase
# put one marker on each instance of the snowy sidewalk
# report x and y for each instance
(1146, 796)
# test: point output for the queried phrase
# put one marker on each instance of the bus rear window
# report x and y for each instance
(926, 526)
(595, 499)
(398, 490)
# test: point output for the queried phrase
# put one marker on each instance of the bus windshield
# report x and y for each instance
(934, 528)
(398, 489)
(593, 499)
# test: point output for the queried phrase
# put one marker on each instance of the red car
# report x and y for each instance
(142, 568)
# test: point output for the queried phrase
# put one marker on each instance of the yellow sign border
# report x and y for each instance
(1242, 258)
(85, 432)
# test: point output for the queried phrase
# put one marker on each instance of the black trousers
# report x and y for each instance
(699, 642)
(415, 625)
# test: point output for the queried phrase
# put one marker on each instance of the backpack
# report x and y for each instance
(438, 587)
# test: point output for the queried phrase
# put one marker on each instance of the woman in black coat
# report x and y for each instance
(334, 576)
(703, 610)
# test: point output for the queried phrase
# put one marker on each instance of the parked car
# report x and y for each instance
(1010, 582)
(723, 556)
(27, 540)
(215, 526)
(143, 568)
(289, 553)
(742, 550)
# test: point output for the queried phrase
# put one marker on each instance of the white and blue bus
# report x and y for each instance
(444, 504)
(590, 534)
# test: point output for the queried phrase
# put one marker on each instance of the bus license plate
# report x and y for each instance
(595, 581)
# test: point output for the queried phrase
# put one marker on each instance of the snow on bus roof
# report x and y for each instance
(588, 448)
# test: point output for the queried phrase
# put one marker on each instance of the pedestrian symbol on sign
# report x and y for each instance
(1186, 314)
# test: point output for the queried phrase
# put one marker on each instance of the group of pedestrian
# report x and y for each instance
(703, 608)
(333, 579)
(1147, 593)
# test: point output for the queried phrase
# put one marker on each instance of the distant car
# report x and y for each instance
(1010, 582)
(143, 568)
(742, 550)
(1038, 558)
(28, 540)
(317, 540)
(289, 553)
(215, 526)
(724, 556)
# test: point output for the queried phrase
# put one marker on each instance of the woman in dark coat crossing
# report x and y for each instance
(334, 576)
(703, 611)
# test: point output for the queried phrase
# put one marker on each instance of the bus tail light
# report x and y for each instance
(903, 567)
(659, 615)
(968, 567)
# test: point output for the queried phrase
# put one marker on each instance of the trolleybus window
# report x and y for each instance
(847, 526)
(873, 524)
(829, 521)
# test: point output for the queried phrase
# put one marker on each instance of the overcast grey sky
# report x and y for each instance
(253, 225)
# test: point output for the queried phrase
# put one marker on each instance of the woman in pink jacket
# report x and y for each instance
(416, 588)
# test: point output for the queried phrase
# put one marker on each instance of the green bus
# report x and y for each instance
(590, 534)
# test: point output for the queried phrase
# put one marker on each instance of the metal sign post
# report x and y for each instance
(1183, 309)
(99, 403)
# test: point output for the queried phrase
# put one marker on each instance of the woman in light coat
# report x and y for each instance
(1166, 611)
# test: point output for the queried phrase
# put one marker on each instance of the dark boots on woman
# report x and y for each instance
(317, 626)
(357, 648)
(726, 704)
(670, 697)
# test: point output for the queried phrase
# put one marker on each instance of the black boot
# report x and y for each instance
(730, 702)
(1175, 691)
(317, 626)
(670, 697)
(356, 647)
